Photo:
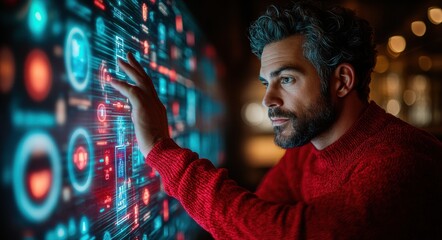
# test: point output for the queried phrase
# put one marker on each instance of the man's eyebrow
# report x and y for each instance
(283, 68)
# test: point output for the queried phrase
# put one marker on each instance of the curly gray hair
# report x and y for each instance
(332, 36)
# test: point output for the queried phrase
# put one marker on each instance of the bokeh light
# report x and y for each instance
(38, 75)
(397, 44)
(7, 69)
(382, 64)
(37, 18)
(418, 28)
(425, 63)
(435, 15)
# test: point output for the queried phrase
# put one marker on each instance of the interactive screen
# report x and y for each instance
(70, 163)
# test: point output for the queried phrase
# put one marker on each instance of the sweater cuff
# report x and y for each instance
(170, 160)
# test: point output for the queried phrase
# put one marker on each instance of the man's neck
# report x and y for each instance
(350, 111)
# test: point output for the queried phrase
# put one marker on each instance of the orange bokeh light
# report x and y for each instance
(39, 183)
(38, 75)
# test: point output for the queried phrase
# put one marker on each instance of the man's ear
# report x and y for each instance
(344, 79)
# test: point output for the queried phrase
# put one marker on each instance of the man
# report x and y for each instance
(351, 171)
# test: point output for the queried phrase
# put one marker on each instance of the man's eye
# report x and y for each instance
(285, 80)
(266, 84)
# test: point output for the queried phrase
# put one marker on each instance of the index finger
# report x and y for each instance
(127, 90)
(143, 81)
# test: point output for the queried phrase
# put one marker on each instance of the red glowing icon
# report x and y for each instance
(165, 210)
(101, 112)
(146, 196)
(174, 52)
(192, 63)
(100, 4)
(80, 158)
(108, 201)
(146, 47)
(180, 236)
(144, 10)
(152, 173)
(39, 183)
(172, 75)
(179, 23)
(176, 108)
(104, 75)
(136, 213)
(38, 75)
(190, 38)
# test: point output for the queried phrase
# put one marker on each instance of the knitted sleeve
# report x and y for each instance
(275, 185)
(375, 203)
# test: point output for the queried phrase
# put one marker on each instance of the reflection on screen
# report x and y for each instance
(70, 162)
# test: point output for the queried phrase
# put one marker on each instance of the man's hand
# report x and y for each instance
(148, 113)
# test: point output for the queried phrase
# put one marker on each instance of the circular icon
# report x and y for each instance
(101, 112)
(37, 176)
(77, 59)
(38, 75)
(80, 154)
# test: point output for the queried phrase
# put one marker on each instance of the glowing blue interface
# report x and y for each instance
(70, 163)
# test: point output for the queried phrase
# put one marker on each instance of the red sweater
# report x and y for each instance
(381, 180)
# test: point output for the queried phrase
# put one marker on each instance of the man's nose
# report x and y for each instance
(272, 97)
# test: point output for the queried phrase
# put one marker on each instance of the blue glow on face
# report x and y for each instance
(37, 18)
(80, 133)
(40, 141)
(77, 59)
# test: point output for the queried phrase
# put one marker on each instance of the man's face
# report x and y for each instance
(297, 109)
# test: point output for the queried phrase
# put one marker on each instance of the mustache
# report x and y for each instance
(277, 112)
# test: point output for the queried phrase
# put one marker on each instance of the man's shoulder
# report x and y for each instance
(400, 138)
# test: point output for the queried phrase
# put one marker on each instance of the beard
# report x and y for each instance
(304, 126)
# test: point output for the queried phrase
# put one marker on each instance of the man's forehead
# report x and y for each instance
(287, 52)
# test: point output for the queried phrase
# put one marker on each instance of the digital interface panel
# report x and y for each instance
(70, 163)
